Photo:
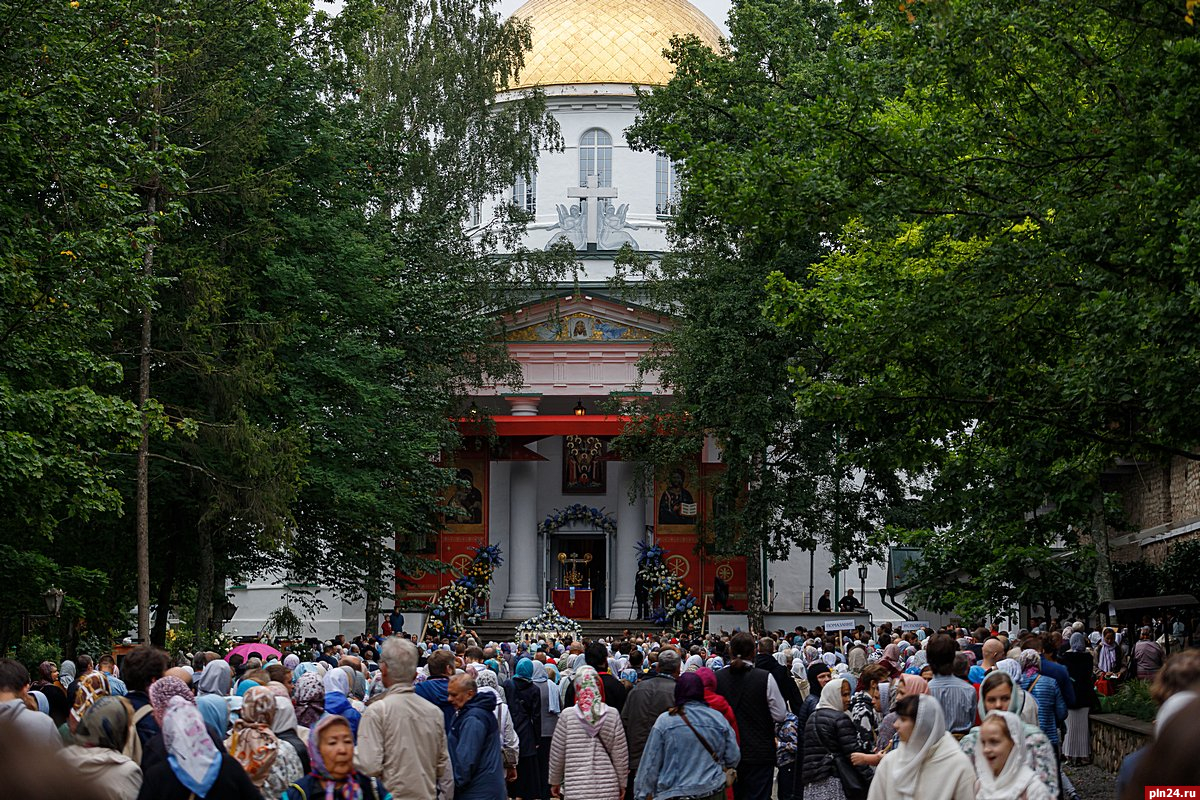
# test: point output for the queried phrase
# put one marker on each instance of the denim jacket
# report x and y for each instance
(675, 763)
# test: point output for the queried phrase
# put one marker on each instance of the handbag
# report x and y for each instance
(730, 772)
(853, 783)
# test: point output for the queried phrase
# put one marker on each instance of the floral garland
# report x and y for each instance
(463, 601)
(578, 512)
(679, 608)
(549, 624)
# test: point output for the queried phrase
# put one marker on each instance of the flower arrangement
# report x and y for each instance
(549, 625)
(463, 601)
(679, 608)
(578, 512)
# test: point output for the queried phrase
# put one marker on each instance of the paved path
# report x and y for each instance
(1093, 783)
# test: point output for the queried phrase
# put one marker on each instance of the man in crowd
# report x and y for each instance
(781, 674)
(1148, 655)
(596, 656)
(402, 737)
(436, 689)
(849, 603)
(956, 696)
(993, 654)
(108, 666)
(143, 665)
(645, 702)
(758, 707)
(33, 725)
(475, 742)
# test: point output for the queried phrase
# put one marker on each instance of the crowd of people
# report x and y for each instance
(857, 715)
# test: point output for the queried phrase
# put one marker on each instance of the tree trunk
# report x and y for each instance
(206, 585)
(143, 452)
(158, 634)
(754, 582)
(1104, 579)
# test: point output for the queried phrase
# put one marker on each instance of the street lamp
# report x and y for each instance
(227, 610)
(579, 409)
(862, 579)
(54, 600)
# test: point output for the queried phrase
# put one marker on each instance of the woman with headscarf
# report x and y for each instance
(928, 764)
(828, 736)
(212, 694)
(337, 698)
(1001, 772)
(332, 776)
(589, 756)
(66, 676)
(1077, 747)
(309, 696)
(107, 749)
(525, 703)
(289, 731)
(715, 701)
(999, 692)
(549, 710)
(291, 661)
(271, 764)
(1052, 707)
(510, 746)
(800, 676)
(1110, 659)
(694, 662)
(903, 685)
(89, 688)
(865, 714)
(196, 767)
(56, 697)
(819, 674)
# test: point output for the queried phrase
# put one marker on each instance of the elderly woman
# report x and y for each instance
(510, 746)
(196, 767)
(331, 753)
(337, 698)
(107, 749)
(271, 764)
(589, 756)
(1077, 747)
(309, 697)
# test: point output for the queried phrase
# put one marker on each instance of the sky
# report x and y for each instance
(717, 10)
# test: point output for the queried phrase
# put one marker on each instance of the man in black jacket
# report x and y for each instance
(650, 697)
(758, 706)
(596, 656)
(783, 675)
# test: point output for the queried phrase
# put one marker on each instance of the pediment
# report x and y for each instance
(581, 319)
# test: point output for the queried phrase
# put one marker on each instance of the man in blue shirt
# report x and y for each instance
(956, 696)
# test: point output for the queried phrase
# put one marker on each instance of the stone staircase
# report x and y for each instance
(504, 630)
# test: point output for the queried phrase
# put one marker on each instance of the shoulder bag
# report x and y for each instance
(730, 772)
(853, 783)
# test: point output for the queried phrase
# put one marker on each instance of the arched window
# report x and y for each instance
(666, 188)
(595, 156)
(524, 194)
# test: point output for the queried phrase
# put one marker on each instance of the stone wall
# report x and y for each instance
(1115, 736)
(1157, 495)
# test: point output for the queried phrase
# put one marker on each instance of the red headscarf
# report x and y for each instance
(715, 701)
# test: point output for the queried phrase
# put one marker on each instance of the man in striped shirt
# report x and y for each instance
(957, 697)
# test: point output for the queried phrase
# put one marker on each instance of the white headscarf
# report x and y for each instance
(831, 696)
(1170, 707)
(1012, 667)
(541, 676)
(693, 663)
(928, 730)
(798, 668)
(1015, 776)
(336, 680)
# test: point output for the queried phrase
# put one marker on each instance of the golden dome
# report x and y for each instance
(607, 41)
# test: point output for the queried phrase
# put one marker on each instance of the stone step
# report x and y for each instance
(504, 630)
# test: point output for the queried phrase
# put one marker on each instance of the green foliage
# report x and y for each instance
(995, 300)
(33, 650)
(1132, 700)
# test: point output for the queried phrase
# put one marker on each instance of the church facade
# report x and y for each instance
(562, 506)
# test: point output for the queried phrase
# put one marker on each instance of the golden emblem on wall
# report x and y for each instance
(460, 563)
(679, 566)
(725, 572)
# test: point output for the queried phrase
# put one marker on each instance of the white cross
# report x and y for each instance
(592, 193)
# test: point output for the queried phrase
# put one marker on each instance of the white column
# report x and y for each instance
(631, 529)
(522, 560)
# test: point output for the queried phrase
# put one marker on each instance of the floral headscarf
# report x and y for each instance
(252, 742)
(346, 789)
(161, 692)
(194, 759)
(589, 696)
(309, 694)
(1031, 663)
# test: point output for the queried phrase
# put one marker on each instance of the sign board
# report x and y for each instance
(912, 625)
(839, 625)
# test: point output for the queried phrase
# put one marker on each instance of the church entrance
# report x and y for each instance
(578, 574)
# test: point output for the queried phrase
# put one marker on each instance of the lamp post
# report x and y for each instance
(862, 579)
(579, 409)
(54, 601)
(227, 610)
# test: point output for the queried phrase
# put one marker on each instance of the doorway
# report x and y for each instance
(584, 563)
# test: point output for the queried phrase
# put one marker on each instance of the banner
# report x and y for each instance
(839, 624)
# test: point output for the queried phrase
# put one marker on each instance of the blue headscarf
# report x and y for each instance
(525, 669)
